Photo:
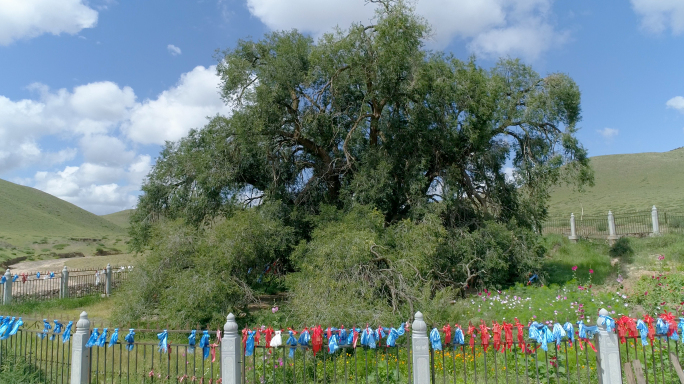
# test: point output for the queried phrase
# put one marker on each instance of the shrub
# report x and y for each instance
(621, 249)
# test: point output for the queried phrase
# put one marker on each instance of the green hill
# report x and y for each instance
(633, 182)
(120, 218)
(28, 212)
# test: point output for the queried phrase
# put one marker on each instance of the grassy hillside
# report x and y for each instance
(627, 183)
(28, 211)
(120, 218)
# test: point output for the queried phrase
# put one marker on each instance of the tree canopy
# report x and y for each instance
(370, 117)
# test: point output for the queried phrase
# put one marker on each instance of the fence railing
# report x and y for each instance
(614, 225)
(68, 283)
(159, 356)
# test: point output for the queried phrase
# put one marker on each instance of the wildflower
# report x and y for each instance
(574, 268)
(274, 309)
(591, 271)
(619, 278)
(661, 257)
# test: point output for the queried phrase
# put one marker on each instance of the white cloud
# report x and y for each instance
(608, 133)
(491, 27)
(106, 124)
(23, 19)
(676, 102)
(173, 50)
(177, 110)
(659, 15)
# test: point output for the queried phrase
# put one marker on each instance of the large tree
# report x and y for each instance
(370, 116)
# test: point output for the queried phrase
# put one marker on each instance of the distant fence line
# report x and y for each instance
(613, 226)
(68, 283)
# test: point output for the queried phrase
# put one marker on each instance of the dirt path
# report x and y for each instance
(54, 265)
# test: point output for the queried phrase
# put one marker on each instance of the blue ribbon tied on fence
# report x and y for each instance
(586, 332)
(15, 277)
(204, 344)
(394, 334)
(569, 332)
(343, 335)
(102, 340)
(115, 338)
(37, 275)
(459, 337)
(163, 341)
(57, 330)
(15, 327)
(3, 279)
(558, 334)
(333, 345)
(249, 343)
(46, 328)
(541, 334)
(608, 321)
(292, 342)
(93, 338)
(643, 331)
(52, 275)
(304, 338)
(130, 339)
(4, 326)
(435, 340)
(8, 330)
(67, 332)
(367, 338)
(680, 327)
(192, 341)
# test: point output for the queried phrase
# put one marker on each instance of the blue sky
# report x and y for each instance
(90, 90)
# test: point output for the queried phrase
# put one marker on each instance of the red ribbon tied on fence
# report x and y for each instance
(356, 336)
(484, 334)
(257, 336)
(651, 330)
(626, 326)
(521, 335)
(496, 336)
(508, 334)
(268, 333)
(317, 339)
(669, 318)
(245, 332)
(447, 333)
(471, 333)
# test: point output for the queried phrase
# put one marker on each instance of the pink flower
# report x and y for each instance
(574, 268)
(591, 271)
(274, 309)
(661, 257)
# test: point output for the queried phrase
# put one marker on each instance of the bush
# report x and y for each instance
(199, 275)
(356, 267)
(622, 249)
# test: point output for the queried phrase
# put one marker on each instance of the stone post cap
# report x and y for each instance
(654, 208)
(83, 324)
(109, 267)
(8, 273)
(419, 324)
(610, 213)
(231, 326)
(64, 269)
(572, 215)
(601, 322)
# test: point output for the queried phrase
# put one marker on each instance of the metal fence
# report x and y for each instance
(657, 362)
(47, 285)
(629, 223)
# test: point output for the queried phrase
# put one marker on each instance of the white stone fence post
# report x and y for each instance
(231, 353)
(64, 286)
(573, 229)
(108, 280)
(608, 356)
(654, 221)
(7, 293)
(80, 355)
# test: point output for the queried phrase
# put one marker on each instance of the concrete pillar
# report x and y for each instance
(64, 287)
(654, 221)
(609, 368)
(7, 295)
(231, 353)
(573, 229)
(80, 355)
(612, 237)
(421, 351)
(108, 280)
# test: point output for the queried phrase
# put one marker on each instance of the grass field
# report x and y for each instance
(38, 226)
(626, 183)
(120, 218)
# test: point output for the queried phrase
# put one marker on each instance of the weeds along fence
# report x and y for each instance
(634, 223)
(48, 285)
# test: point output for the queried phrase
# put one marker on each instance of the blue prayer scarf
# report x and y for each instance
(93, 338)
(249, 344)
(643, 331)
(304, 338)
(163, 341)
(130, 339)
(57, 330)
(435, 340)
(46, 328)
(292, 342)
(115, 338)
(204, 344)
(192, 341)
(394, 334)
(67, 332)
(102, 340)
